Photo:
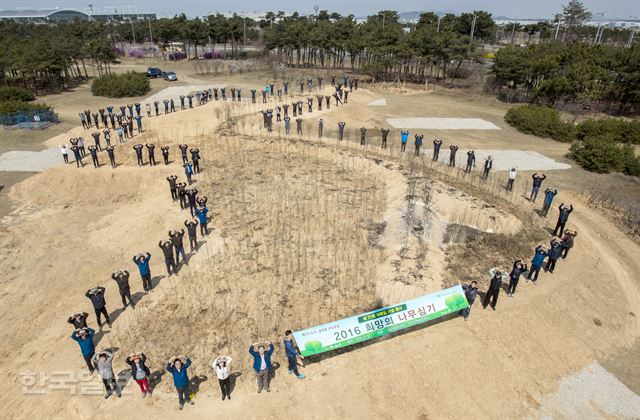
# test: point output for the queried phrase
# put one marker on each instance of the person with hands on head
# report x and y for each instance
(192, 226)
(84, 338)
(142, 261)
(563, 217)
(103, 361)
(202, 217)
(173, 186)
(122, 278)
(519, 267)
(178, 366)
(292, 354)
(96, 295)
(536, 263)
(221, 366)
(167, 250)
(262, 364)
(78, 320)
(176, 239)
(140, 372)
(537, 183)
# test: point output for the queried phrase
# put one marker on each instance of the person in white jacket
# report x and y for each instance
(222, 367)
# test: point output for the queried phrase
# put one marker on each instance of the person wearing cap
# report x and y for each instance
(96, 295)
(494, 288)
(103, 361)
(78, 320)
(178, 367)
(292, 354)
(140, 372)
(84, 338)
(262, 364)
(222, 365)
(142, 261)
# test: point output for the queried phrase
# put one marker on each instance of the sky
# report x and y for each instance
(521, 9)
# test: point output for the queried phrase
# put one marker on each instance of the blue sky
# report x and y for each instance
(511, 8)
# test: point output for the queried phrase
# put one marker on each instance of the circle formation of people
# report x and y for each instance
(173, 247)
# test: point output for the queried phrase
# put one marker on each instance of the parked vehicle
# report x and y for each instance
(169, 76)
(154, 72)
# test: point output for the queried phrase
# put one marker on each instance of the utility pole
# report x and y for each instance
(513, 31)
(244, 30)
(473, 26)
(438, 28)
(150, 32)
(383, 16)
(133, 31)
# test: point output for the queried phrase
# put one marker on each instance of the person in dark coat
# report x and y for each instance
(470, 292)
(140, 372)
(563, 217)
(78, 320)
(494, 289)
(122, 278)
(554, 254)
(567, 242)
(96, 295)
(519, 267)
(167, 250)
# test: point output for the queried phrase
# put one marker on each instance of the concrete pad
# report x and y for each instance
(378, 102)
(503, 160)
(21, 161)
(443, 123)
(592, 393)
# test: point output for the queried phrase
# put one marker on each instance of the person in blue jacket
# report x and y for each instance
(142, 261)
(418, 142)
(262, 364)
(178, 367)
(404, 137)
(188, 171)
(554, 254)
(549, 195)
(292, 354)
(536, 263)
(84, 337)
(201, 212)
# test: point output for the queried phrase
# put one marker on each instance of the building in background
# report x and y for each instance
(107, 14)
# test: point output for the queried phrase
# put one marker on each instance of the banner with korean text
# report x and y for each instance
(357, 329)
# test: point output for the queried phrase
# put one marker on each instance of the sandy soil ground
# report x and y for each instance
(307, 231)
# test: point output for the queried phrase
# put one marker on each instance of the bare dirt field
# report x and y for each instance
(306, 230)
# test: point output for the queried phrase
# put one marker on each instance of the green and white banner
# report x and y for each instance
(356, 329)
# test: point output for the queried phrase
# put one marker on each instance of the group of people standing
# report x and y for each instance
(544, 255)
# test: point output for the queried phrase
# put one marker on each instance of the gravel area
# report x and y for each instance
(593, 393)
(378, 102)
(24, 161)
(503, 160)
(443, 123)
